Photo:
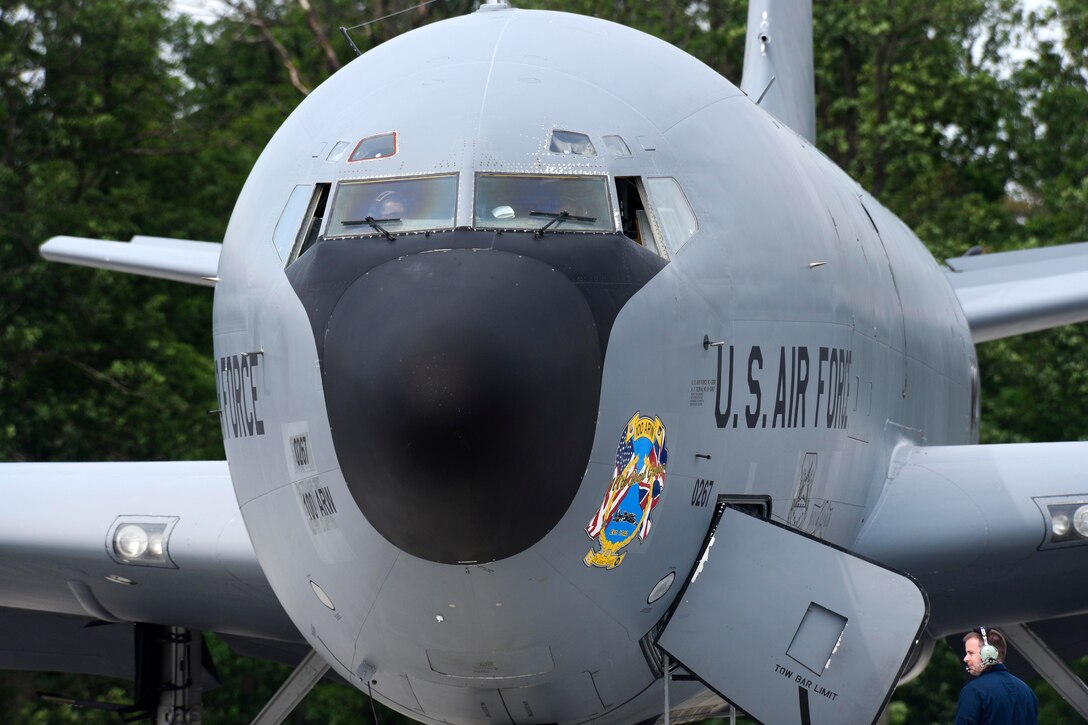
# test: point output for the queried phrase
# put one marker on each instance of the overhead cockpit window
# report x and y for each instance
(391, 206)
(617, 146)
(559, 203)
(569, 142)
(375, 147)
(337, 152)
(674, 214)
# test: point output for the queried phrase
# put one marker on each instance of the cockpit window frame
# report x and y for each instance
(607, 216)
(368, 232)
(358, 146)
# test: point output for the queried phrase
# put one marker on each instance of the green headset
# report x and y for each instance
(988, 653)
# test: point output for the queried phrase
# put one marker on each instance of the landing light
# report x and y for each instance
(1067, 520)
(130, 541)
(1080, 521)
(155, 545)
(141, 540)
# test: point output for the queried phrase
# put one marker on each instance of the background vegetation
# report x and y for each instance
(120, 117)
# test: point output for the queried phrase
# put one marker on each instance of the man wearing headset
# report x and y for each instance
(993, 696)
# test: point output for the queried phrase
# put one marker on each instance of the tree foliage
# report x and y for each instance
(120, 117)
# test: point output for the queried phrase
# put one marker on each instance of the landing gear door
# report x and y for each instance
(792, 630)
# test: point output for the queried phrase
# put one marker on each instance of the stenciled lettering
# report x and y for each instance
(791, 376)
(301, 450)
(755, 357)
(236, 382)
(318, 503)
(700, 494)
(721, 418)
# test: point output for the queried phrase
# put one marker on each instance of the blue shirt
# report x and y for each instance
(997, 697)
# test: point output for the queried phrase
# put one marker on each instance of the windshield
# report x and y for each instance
(392, 206)
(544, 203)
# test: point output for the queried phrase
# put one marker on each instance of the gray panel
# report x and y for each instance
(492, 665)
(472, 704)
(793, 630)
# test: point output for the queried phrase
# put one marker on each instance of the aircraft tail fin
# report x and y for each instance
(181, 260)
(1011, 293)
(778, 65)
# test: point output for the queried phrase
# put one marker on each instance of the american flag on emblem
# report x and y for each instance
(650, 482)
(625, 451)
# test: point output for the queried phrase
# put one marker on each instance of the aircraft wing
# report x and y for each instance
(181, 260)
(978, 527)
(60, 570)
(1010, 293)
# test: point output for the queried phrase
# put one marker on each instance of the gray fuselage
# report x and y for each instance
(786, 341)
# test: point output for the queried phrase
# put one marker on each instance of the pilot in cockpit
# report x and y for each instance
(387, 205)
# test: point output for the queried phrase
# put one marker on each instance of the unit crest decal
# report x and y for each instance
(637, 483)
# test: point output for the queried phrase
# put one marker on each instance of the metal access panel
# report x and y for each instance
(791, 629)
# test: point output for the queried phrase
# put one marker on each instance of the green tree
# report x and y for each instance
(1036, 386)
(96, 366)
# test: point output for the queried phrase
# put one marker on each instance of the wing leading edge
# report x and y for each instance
(181, 260)
(1010, 293)
(55, 541)
(974, 525)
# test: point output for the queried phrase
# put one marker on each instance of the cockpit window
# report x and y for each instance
(674, 214)
(617, 146)
(375, 147)
(392, 206)
(555, 203)
(571, 142)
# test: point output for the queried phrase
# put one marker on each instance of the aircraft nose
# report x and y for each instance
(462, 390)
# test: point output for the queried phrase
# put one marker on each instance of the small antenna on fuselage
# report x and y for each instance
(350, 41)
(417, 6)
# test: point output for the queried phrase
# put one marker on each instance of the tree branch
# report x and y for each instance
(320, 34)
(285, 58)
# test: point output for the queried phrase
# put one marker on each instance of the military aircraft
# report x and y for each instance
(562, 380)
